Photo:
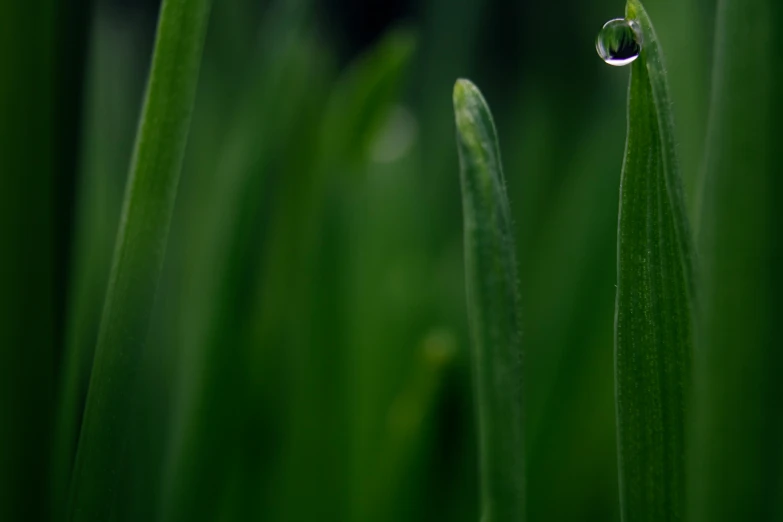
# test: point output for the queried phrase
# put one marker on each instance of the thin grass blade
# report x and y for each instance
(112, 95)
(97, 489)
(654, 308)
(493, 309)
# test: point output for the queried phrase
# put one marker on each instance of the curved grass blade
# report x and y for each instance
(363, 96)
(97, 483)
(738, 425)
(654, 309)
(493, 309)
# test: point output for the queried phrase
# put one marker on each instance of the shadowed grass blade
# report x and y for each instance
(653, 328)
(112, 95)
(738, 424)
(97, 490)
(405, 426)
(493, 309)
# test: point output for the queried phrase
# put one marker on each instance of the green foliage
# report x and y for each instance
(306, 355)
(374, 78)
(101, 464)
(493, 308)
(655, 300)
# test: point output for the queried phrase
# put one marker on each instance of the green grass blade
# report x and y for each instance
(493, 309)
(362, 98)
(407, 423)
(653, 328)
(313, 236)
(100, 468)
(738, 425)
(112, 95)
(203, 468)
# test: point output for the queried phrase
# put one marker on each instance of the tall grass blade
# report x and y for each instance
(112, 94)
(101, 463)
(307, 265)
(219, 366)
(737, 445)
(493, 309)
(654, 310)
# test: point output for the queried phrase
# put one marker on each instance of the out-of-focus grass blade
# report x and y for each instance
(112, 95)
(493, 309)
(653, 324)
(220, 367)
(363, 96)
(100, 468)
(406, 427)
(307, 271)
(738, 424)
(574, 258)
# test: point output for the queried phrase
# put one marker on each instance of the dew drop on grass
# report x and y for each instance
(619, 42)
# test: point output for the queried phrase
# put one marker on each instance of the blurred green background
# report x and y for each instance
(308, 353)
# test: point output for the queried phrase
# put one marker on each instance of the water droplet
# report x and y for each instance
(619, 42)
